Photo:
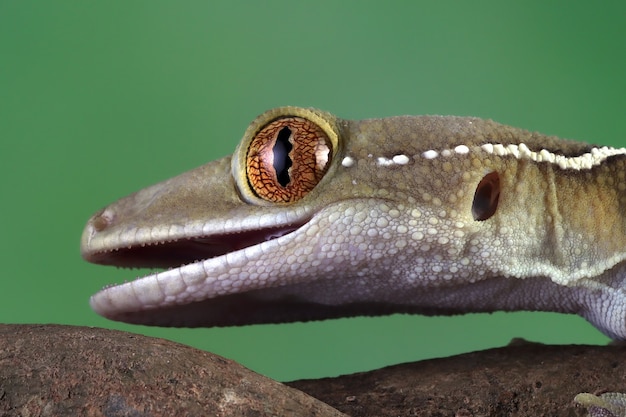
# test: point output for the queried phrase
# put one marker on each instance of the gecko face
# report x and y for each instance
(316, 217)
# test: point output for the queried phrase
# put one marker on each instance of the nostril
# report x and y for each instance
(100, 221)
(486, 197)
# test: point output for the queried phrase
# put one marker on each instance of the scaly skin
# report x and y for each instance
(419, 214)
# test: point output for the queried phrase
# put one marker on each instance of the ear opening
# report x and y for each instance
(486, 197)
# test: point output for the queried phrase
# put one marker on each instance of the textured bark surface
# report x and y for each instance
(73, 371)
(524, 379)
(79, 371)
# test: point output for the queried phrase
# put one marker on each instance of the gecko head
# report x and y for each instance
(225, 233)
(302, 222)
(315, 217)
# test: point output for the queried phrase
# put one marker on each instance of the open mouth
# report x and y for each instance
(175, 253)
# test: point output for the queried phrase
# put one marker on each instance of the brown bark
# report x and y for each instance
(49, 370)
(523, 379)
(78, 371)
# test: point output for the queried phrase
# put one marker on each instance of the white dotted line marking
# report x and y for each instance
(585, 161)
(459, 150)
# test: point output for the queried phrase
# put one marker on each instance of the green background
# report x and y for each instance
(99, 99)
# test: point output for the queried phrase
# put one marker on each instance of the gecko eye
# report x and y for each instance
(486, 197)
(286, 159)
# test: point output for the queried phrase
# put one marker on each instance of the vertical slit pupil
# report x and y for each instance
(282, 161)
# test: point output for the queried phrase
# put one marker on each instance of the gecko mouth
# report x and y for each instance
(175, 253)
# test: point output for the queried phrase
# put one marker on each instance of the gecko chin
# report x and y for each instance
(246, 309)
(175, 253)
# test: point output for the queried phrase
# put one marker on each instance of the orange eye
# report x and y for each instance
(287, 158)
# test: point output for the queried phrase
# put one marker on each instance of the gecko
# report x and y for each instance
(315, 217)
(609, 404)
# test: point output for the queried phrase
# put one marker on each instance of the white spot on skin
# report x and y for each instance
(385, 162)
(400, 159)
(431, 154)
(524, 150)
(396, 160)
(513, 150)
(347, 162)
(461, 149)
(499, 149)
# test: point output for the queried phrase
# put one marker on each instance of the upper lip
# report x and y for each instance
(174, 253)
